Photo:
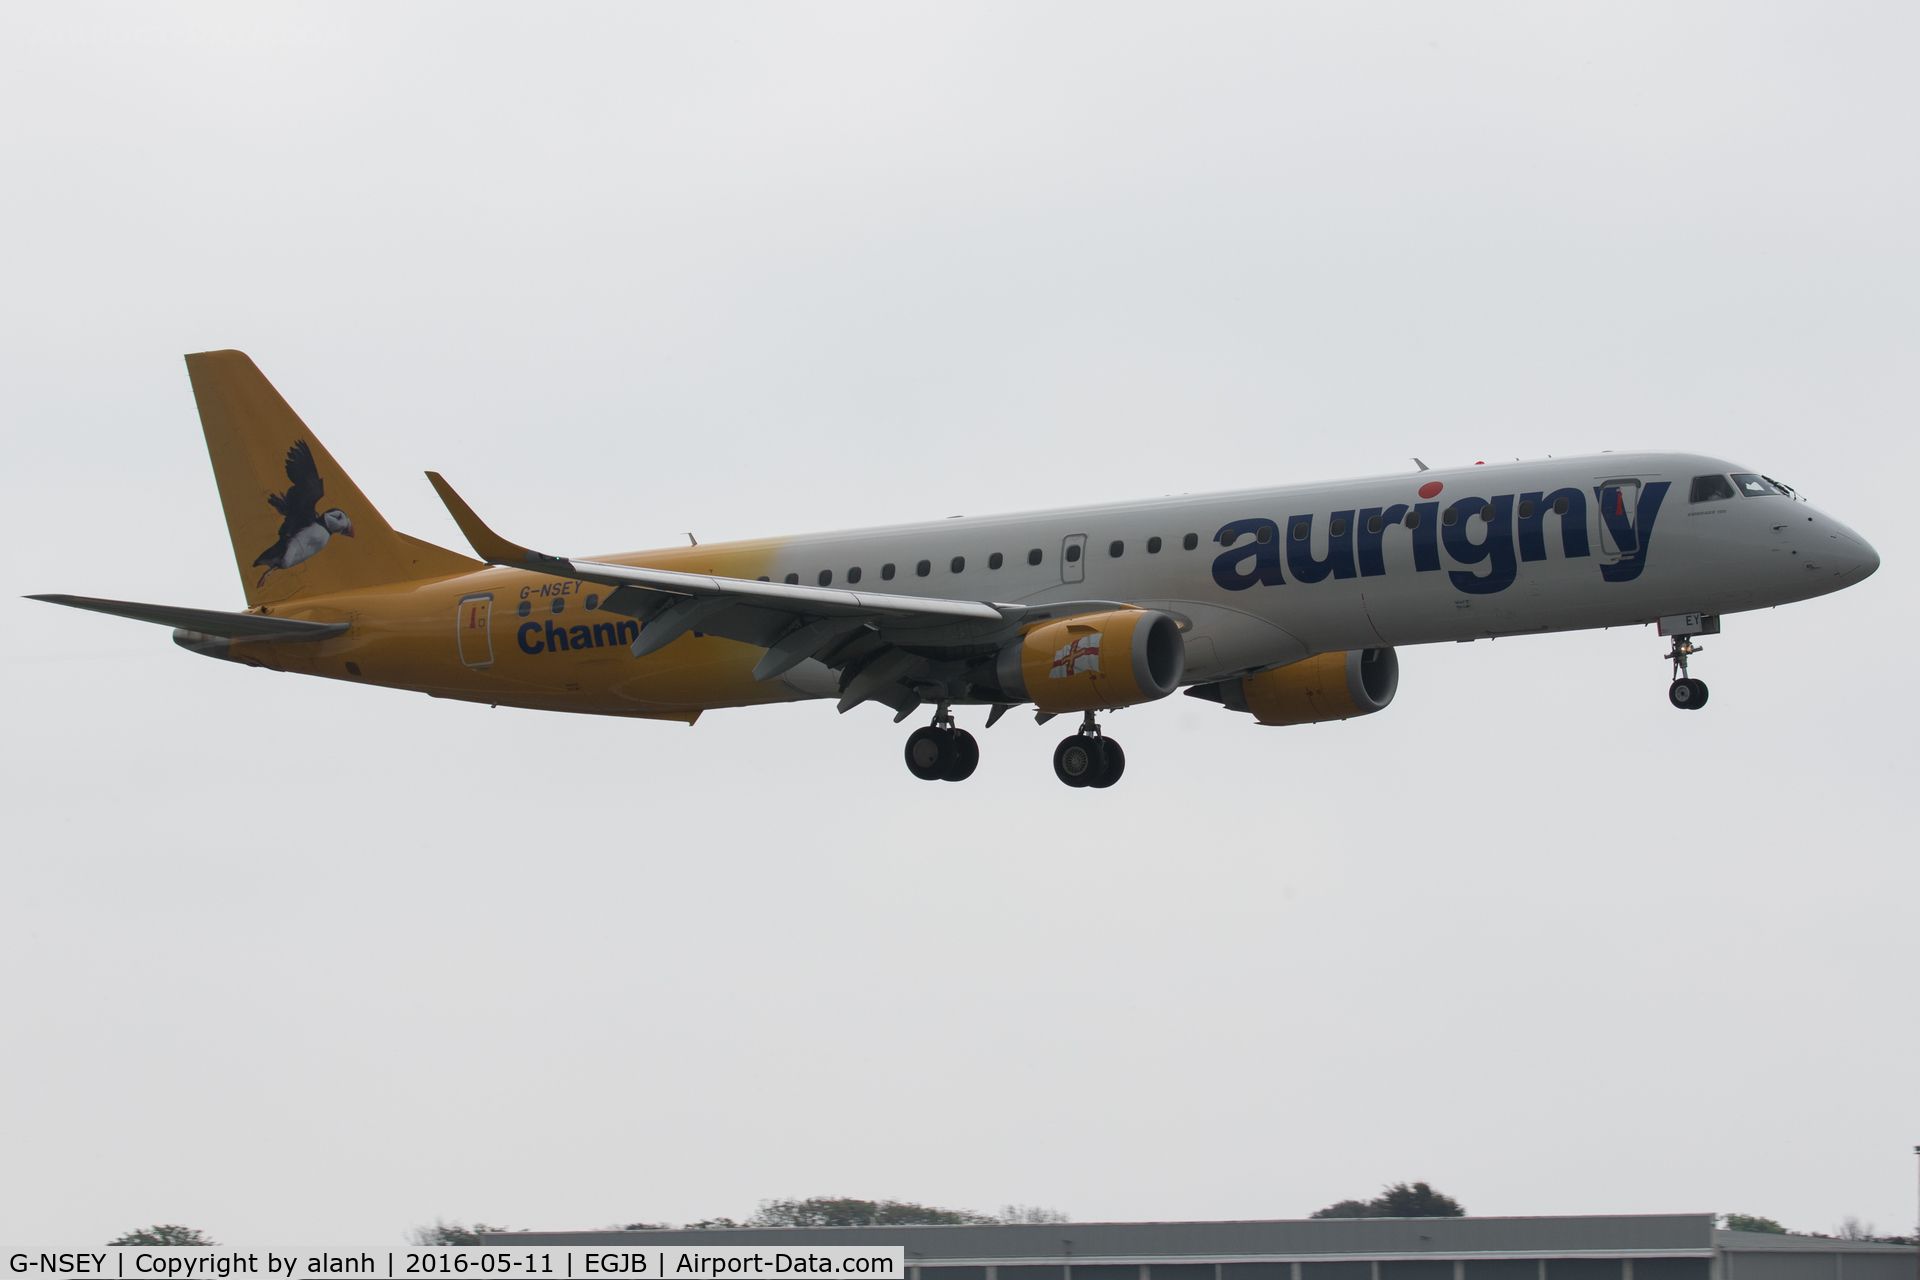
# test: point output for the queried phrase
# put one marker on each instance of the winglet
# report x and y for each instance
(489, 545)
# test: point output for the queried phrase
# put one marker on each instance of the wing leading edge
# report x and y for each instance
(826, 601)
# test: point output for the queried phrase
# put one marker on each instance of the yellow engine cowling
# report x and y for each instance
(1327, 686)
(1095, 661)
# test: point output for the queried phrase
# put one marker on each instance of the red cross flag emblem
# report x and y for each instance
(1082, 654)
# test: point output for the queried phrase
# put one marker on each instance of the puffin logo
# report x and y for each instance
(1080, 654)
(305, 530)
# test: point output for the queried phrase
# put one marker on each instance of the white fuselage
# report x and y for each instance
(1273, 596)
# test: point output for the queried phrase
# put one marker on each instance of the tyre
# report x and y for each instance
(1116, 764)
(1699, 695)
(1078, 760)
(929, 753)
(1680, 693)
(965, 759)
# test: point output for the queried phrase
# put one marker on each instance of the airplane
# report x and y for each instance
(1285, 604)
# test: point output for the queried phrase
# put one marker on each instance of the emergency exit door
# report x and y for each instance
(1619, 510)
(1073, 558)
(476, 637)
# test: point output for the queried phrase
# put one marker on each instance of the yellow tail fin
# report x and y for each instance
(300, 526)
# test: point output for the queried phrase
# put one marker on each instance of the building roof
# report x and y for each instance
(1622, 1236)
(1774, 1242)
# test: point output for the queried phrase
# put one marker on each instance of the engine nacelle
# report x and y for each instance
(1095, 661)
(1327, 686)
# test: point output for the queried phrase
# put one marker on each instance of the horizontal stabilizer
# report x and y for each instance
(209, 622)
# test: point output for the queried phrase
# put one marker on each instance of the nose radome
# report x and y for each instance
(1855, 555)
(1869, 558)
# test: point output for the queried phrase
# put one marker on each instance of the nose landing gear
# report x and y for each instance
(1685, 693)
(1088, 759)
(939, 752)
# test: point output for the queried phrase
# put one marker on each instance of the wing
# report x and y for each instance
(894, 649)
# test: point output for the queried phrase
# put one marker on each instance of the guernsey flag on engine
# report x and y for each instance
(1082, 654)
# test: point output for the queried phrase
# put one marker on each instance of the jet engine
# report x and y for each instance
(1327, 686)
(1095, 661)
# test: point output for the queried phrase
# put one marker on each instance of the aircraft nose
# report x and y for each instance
(1868, 557)
(1857, 560)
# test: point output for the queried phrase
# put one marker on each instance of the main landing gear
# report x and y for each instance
(941, 753)
(1685, 693)
(1087, 759)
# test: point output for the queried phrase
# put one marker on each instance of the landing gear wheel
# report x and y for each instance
(1080, 761)
(965, 758)
(1685, 692)
(1116, 764)
(930, 753)
(1688, 694)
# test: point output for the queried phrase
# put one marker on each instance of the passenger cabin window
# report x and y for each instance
(1526, 510)
(886, 573)
(1153, 546)
(853, 574)
(1299, 532)
(959, 563)
(995, 560)
(1375, 524)
(826, 577)
(1413, 520)
(1559, 506)
(1450, 516)
(1033, 556)
(1752, 486)
(1191, 541)
(1116, 548)
(793, 579)
(1264, 533)
(1337, 528)
(922, 569)
(1487, 514)
(1073, 552)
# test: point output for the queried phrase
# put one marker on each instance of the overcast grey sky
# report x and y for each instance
(292, 960)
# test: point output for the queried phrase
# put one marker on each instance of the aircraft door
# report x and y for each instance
(1073, 558)
(1619, 506)
(476, 637)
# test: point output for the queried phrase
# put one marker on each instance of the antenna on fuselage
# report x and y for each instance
(692, 541)
(1423, 466)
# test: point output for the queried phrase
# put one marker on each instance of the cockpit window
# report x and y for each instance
(1782, 486)
(1752, 486)
(1710, 489)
